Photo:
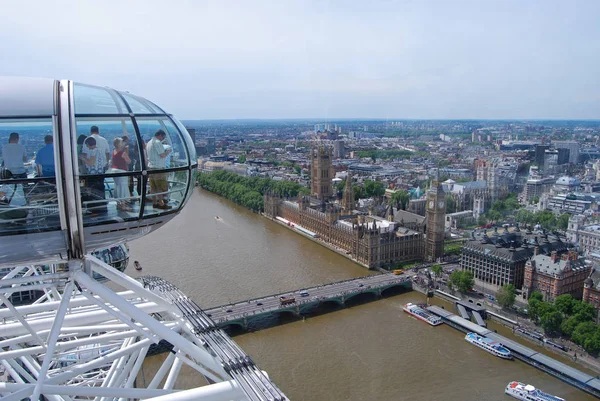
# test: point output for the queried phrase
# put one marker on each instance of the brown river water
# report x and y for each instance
(372, 351)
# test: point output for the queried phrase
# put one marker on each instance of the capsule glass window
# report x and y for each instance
(28, 198)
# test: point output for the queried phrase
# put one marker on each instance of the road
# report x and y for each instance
(303, 296)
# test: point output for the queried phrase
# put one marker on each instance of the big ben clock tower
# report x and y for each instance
(436, 213)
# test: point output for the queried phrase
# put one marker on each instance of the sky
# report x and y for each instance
(422, 59)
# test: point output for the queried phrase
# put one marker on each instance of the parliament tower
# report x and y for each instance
(321, 172)
(435, 215)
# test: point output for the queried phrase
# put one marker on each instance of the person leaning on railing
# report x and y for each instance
(157, 153)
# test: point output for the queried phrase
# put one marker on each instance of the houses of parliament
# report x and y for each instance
(370, 240)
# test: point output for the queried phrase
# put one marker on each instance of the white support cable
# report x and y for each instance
(80, 391)
(66, 345)
(93, 317)
(173, 373)
(21, 319)
(136, 368)
(175, 339)
(76, 301)
(102, 360)
(120, 363)
(120, 316)
(162, 371)
(32, 279)
(224, 391)
(127, 282)
(52, 337)
(124, 372)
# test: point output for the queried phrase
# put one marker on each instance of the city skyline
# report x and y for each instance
(335, 60)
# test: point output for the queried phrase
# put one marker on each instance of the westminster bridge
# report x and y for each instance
(267, 311)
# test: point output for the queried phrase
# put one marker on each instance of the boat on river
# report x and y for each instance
(422, 314)
(489, 345)
(527, 392)
(137, 265)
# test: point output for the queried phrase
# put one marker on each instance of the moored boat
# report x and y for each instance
(527, 392)
(422, 314)
(137, 265)
(489, 345)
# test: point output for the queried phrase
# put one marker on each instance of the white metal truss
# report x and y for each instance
(84, 340)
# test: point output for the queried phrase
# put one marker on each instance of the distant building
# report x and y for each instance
(417, 206)
(586, 237)
(535, 188)
(321, 172)
(338, 149)
(555, 275)
(540, 154)
(572, 146)
(459, 219)
(591, 289)
(500, 259)
(435, 213)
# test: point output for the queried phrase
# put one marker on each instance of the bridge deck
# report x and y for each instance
(337, 291)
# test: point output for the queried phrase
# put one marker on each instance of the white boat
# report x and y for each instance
(422, 314)
(489, 345)
(527, 392)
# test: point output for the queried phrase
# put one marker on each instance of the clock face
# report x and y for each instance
(441, 204)
(430, 204)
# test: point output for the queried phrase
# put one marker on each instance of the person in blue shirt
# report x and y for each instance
(45, 158)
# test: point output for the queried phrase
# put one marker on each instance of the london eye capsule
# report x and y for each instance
(85, 167)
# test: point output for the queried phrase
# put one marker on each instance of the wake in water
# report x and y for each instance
(219, 219)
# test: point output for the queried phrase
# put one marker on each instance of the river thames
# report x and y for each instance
(372, 351)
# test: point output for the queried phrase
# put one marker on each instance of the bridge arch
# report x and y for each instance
(394, 289)
(361, 298)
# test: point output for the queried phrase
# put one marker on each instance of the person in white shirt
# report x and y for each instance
(101, 144)
(157, 154)
(14, 155)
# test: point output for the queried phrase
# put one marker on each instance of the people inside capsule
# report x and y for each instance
(157, 154)
(101, 144)
(80, 145)
(44, 159)
(12, 198)
(95, 163)
(14, 156)
(120, 164)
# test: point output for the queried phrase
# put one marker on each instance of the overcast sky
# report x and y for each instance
(322, 59)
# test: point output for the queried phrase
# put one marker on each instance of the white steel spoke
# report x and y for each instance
(20, 318)
(52, 337)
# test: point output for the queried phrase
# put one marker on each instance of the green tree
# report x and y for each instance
(242, 159)
(551, 321)
(400, 198)
(462, 280)
(374, 189)
(506, 295)
(592, 342)
(563, 221)
(565, 304)
(583, 331)
(524, 216)
(437, 270)
(535, 200)
(450, 204)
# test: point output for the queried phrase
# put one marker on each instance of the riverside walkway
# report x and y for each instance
(572, 376)
(305, 300)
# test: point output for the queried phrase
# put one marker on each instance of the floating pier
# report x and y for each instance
(566, 373)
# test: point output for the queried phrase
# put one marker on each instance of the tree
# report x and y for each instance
(242, 159)
(565, 304)
(400, 198)
(450, 204)
(524, 216)
(462, 280)
(374, 189)
(551, 321)
(583, 331)
(437, 270)
(535, 200)
(563, 221)
(506, 295)
(592, 343)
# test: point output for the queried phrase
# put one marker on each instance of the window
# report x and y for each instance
(29, 202)
(96, 100)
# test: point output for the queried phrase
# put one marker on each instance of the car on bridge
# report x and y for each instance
(259, 304)
(361, 285)
(304, 294)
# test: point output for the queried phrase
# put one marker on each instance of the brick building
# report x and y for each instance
(555, 275)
